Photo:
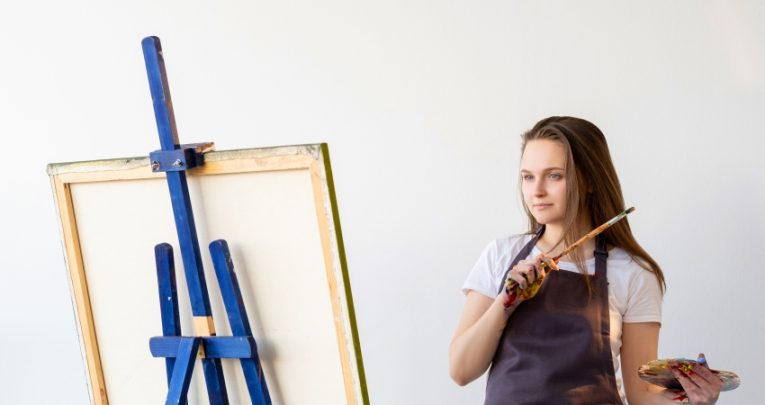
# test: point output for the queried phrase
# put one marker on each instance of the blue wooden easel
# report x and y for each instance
(180, 352)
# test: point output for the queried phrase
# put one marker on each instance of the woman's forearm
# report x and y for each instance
(471, 350)
(650, 397)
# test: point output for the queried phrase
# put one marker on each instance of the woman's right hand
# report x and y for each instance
(527, 271)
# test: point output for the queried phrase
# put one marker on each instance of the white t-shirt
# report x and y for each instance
(634, 294)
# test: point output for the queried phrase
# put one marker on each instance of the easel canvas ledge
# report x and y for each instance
(313, 158)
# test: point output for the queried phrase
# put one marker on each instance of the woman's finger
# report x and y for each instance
(549, 262)
(699, 383)
(705, 373)
(523, 273)
(707, 379)
(692, 391)
(534, 273)
(684, 379)
(518, 279)
(703, 360)
(516, 274)
(703, 370)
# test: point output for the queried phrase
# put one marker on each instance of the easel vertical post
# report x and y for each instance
(184, 216)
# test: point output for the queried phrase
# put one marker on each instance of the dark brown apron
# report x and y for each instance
(556, 348)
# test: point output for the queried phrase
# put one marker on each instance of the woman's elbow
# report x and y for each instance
(458, 377)
(460, 374)
(464, 367)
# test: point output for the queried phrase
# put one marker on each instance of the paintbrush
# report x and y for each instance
(513, 288)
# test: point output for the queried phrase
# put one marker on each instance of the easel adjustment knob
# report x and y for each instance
(185, 157)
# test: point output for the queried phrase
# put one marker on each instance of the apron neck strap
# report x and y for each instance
(601, 256)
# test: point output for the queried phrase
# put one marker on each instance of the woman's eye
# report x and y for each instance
(556, 176)
(527, 177)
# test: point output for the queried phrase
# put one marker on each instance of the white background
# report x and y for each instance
(422, 104)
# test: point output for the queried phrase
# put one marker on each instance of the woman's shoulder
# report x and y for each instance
(486, 275)
(621, 259)
(627, 267)
(636, 291)
(500, 251)
(510, 245)
(620, 256)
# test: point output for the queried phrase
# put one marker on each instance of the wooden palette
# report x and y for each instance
(658, 372)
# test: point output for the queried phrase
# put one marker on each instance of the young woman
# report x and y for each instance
(599, 314)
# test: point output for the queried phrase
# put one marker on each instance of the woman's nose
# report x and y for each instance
(539, 188)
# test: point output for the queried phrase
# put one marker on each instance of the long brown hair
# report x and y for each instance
(592, 187)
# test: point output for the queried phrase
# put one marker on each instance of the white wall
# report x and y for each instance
(421, 103)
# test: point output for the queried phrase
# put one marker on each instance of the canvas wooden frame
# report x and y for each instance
(314, 159)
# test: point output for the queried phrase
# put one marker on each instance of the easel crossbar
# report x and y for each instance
(215, 347)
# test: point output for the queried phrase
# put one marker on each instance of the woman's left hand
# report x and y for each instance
(700, 384)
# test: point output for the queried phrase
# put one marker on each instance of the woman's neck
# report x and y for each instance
(552, 243)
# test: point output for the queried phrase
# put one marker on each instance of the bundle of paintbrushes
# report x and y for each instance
(513, 289)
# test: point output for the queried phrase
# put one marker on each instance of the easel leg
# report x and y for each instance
(216, 386)
(171, 326)
(168, 297)
(237, 316)
(184, 366)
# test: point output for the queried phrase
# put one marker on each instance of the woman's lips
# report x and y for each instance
(542, 206)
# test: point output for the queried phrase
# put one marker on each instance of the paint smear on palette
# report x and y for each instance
(658, 372)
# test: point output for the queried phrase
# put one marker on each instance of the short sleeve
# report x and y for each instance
(643, 299)
(483, 277)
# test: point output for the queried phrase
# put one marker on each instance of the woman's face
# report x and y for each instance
(543, 177)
